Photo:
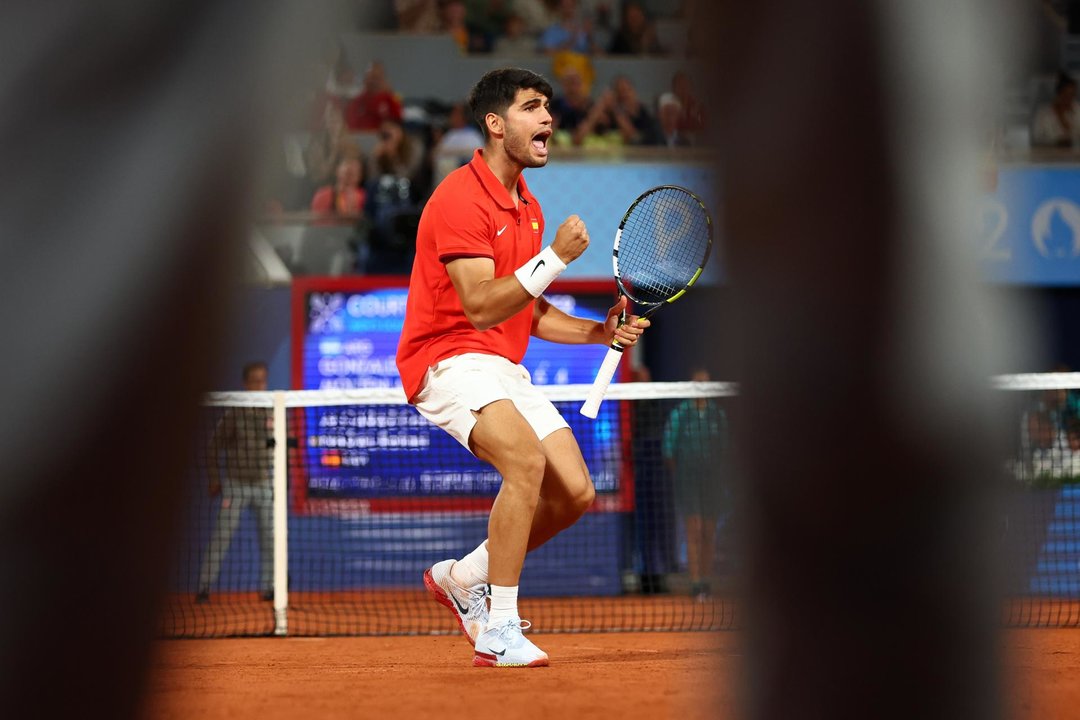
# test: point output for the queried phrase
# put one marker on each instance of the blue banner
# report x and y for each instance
(600, 192)
(1029, 229)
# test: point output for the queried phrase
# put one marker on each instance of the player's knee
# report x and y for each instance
(532, 465)
(584, 499)
(573, 504)
(580, 501)
(526, 466)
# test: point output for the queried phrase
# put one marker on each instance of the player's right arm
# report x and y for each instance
(488, 300)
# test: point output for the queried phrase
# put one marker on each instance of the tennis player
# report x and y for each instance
(475, 298)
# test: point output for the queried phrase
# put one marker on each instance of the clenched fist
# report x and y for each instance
(571, 239)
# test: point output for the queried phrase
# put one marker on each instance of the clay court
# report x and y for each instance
(623, 675)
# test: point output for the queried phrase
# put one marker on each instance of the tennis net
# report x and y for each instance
(317, 512)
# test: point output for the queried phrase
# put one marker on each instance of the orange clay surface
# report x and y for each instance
(616, 675)
(619, 675)
(1042, 673)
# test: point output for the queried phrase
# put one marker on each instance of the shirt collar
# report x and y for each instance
(495, 188)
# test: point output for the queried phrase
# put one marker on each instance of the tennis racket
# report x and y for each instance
(661, 247)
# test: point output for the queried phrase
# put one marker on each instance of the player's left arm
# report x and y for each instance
(552, 324)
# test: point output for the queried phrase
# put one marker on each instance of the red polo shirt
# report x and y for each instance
(470, 214)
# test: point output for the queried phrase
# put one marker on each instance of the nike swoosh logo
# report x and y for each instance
(500, 232)
(536, 268)
(500, 654)
(460, 607)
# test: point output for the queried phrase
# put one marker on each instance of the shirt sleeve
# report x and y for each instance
(462, 229)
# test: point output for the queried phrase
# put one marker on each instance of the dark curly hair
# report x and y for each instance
(495, 92)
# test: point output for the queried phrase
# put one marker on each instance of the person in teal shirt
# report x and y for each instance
(695, 448)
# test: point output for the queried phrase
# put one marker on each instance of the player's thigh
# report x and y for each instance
(566, 476)
(504, 438)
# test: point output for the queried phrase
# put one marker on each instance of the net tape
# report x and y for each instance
(560, 393)
(395, 396)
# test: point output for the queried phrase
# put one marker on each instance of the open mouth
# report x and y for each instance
(540, 140)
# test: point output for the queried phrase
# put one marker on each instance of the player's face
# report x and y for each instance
(528, 129)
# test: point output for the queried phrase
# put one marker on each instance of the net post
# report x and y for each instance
(281, 518)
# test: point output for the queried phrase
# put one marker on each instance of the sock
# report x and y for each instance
(472, 569)
(503, 605)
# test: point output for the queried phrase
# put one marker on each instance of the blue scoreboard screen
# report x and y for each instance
(345, 336)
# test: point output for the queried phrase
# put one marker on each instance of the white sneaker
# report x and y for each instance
(505, 646)
(469, 605)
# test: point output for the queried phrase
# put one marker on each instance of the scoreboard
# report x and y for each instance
(345, 334)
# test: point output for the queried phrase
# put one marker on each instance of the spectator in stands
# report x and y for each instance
(340, 88)
(536, 14)
(1057, 124)
(395, 190)
(418, 16)
(396, 153)
(342, 84)
(570, 107)
(618, 114)
(692, 114)
(570, 32)
(243, 443)
(636, 34)
(515, 40)
(486, 20)
(603, 31)
(345, 198)
(668, 114)
(695, 449)
(326, 149)
(376, 103)
(455, 146)
(564, 61)
(453, 14)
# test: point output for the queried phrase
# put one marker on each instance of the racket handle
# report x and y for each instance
(603, 379)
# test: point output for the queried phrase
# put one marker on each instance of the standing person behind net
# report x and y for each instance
(695, 449)
(475, 297)
(243, 439)
(653, 518)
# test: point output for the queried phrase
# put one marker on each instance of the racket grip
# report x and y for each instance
(603, 379)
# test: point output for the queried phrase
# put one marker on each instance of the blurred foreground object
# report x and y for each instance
(865, 343)
(113, 308)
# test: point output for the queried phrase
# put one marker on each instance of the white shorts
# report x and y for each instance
(459, 385)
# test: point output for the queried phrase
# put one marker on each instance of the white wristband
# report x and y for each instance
(539, 272)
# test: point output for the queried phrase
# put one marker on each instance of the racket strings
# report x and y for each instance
(664, 241)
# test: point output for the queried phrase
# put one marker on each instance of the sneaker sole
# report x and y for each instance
(486, 660)
(441, 597)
